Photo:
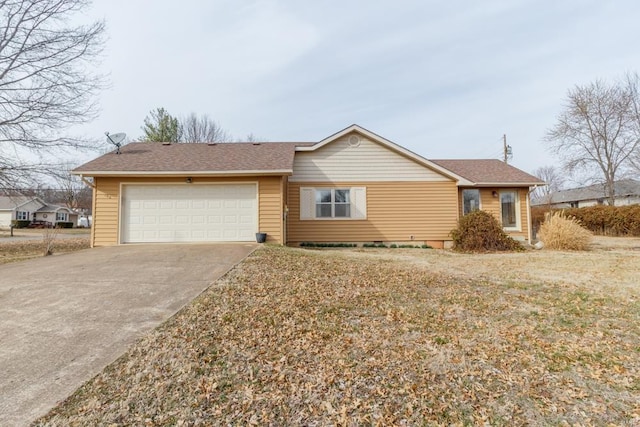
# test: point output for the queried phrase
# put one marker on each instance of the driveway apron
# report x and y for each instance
(63, 318)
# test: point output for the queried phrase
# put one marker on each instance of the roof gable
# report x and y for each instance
(385, 143)
(14, 202)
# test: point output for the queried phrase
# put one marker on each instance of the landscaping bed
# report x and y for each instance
(387, 337)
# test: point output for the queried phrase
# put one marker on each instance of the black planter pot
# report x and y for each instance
(261, 237)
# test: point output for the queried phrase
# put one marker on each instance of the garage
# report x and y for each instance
(189, 213)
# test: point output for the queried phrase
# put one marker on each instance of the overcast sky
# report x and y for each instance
(443, 79)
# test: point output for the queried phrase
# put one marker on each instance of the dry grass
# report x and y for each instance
(293, 337)
(562, 233)
(27, 249)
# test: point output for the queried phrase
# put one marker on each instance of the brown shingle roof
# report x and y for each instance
(231, 158)
(488, 171)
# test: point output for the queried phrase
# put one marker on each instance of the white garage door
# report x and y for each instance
(189, 213)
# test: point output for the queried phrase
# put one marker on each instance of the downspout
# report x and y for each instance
(530, 225)
(93, 208)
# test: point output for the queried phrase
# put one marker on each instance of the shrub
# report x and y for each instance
(600, 219)
(20, 223)
(63, 224)
(561, 232)
(480, 231)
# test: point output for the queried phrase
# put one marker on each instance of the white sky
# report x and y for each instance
(443, 79)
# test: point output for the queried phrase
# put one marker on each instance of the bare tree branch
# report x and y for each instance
(202, 129)
(598, 132)
(45, 80)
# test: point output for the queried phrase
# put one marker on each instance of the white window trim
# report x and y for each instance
(26, 214)
(518, 226)
(357, 197)
(333, 203)
(61, 216)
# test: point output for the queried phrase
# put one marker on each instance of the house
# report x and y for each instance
(627, 192)
(55, 214)
(353, 186)
(32, 209)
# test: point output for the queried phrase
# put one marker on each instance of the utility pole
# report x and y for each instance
(508, 152)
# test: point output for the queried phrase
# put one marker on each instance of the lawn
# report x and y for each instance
(26, 249)
(387, 337)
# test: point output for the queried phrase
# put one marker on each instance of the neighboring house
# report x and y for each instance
(353, 186)
(19, 208)
(55, 214)
(22, 208)
(627, 192)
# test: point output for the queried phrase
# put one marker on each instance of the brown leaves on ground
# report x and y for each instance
(25, 249)
(293, 337)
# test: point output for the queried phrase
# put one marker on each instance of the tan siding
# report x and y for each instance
(492, 204)
(395, 212)
(271, 209)
(105, 213)
(369, 161)
(107, 210)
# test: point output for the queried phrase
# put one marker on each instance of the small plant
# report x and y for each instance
(393, 246)
(479, 231)
(425, 246)
(564, 233)
(48, 240)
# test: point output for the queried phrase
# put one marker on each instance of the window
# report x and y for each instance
(335, 203)
(22, 216)
(509, 209)
(61, 216)
(470, 201)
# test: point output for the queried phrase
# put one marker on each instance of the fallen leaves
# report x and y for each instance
(292, 337)
(21, 250)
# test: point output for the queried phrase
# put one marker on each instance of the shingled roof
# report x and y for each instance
(622, 188)
(155, 158)
(489, 172)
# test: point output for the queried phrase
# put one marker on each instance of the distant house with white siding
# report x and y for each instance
(627, 192)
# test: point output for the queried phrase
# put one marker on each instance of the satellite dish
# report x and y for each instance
(116, 139)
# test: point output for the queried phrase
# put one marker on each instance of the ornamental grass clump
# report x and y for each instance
(479, 231)
(564, 233)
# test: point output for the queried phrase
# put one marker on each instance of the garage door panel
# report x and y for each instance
(185, 213)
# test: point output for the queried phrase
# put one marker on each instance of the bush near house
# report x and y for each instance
(19, 223)
(601, 220)
(63, 224)
(480, 231)
(564, 233)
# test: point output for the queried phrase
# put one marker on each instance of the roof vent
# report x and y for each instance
(212, 143)
(256, 143)
(166, 143)
(354, 141)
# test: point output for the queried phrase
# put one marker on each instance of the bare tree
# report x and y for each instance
(554, 180)
(45, 80)
(202, 129)
(71, 190)
(597, 133)
(253, 138)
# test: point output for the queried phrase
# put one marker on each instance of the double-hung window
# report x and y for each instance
(22, 216)
(333, 203)
(61, 216)
(321, 203)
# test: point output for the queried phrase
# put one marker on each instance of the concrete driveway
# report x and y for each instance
(64, 318)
